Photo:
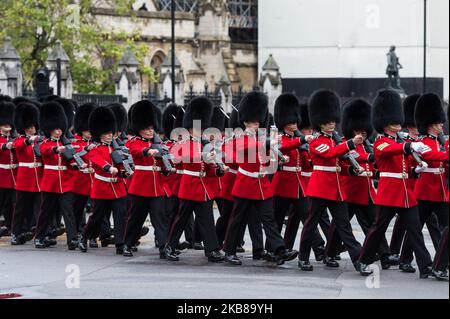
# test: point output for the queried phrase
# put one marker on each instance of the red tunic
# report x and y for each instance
(249, 157)
(82, 180)
(101, 160)
(394, 157)
(285, 183)
(56, 176)
(29, 176)
(431, 185)
(325, 154)
(8, 165)
(194, 188)
(145, 182)
(172, 182)
(359, 189)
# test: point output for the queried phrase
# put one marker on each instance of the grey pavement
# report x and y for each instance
(52, 273)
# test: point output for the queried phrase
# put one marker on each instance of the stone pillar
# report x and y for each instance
(270, 81)
(58, 52)
(11, 77)
(166, 79)
(128, 78)
(226, 94)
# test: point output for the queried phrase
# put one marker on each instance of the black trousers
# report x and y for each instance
(410, 217)
(79, 206)
(140, 208)
(426, 210)
(264, 212)
(399, 232)
(365, 214)
(24, 214)
(254, 226)
(172, 206)
(441, 258)
(7, 203)
(205, 218)
(101, 208)
(340, 217)
(51, 204)
(298, 213)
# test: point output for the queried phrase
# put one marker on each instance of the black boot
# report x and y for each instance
(40, 243)
(233, 260)
(119, 249)
(389, 260)
(215, 256)
(363, 269)
(407, 268)
(17, 240)
(305, 265)
(319, 253)
(127, 251)
(330, 262)
(286, 255)
(72, 245)
(93, 243)
(170, 254)
(82, 244)
(440, 275)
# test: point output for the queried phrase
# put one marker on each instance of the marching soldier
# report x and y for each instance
(325, 187)
(29, 174)
(195, 192)
(55, 183)
(146, 187)
(108, 188)
(395, 193)
(252, 188)
(430, 189)
(288, 186)
(8, 165)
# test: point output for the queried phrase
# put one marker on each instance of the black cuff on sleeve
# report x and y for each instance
(407, 148)
(106, 168)
(145, 151)
(351, 171)
(27, 141)
(371, 158)
(351, 145)
(4, 148)
(303, 140)
(54, 149)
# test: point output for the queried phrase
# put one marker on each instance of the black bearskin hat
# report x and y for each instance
(168, 119)
(7, 113)
(52, 117)
(387, 109)
(201, 109)
(144, 114)
(356, 117)
(69, 110)
(25, 116)
(20, 99)
(324, 107)
(219, 120)
(101, 121)
(82, 114)
(158, 118)
(129, 126)
(233, 122)
(409, 105)
(254, 107)
(5, 98)
(429, 110)
(304, 115)
(179, 118)
(287, 110)
(121, 116)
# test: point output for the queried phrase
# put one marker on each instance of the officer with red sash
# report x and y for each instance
(395, 193)
(29, 174)
(8, 165)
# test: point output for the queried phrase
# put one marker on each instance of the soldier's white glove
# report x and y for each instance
(418, 147)
(420, 169)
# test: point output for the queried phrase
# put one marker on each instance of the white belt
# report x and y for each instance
(55, 168)
(232, 171)
(195, 174)
(251, 174)
(86, 171)
(106, 179)
(147, 168)
(306, 174)
(333, 169)
(179, 171)
(365, 174)
(30, 165)
(394, 175)
(437, 170)
(291, 169)
(8, 166)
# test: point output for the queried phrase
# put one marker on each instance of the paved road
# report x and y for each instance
(48, 274)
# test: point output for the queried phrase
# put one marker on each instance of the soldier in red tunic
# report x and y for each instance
(325, 187)
(146, 187)
(195, 191)
(29, 174)
(56, 182)
(8, 165)
(430, 189)
(252, 188)
(108, 188)
(395, 193)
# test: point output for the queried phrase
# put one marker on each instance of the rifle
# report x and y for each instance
(70, 153)
(368, 147)
(417, 158)
(120, 155)
(441, 140)
(275, 148)
(304, 147)
(208, 147)
(37, 146)
(349, 157)
(163, 154)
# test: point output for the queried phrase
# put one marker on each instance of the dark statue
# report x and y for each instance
(393, 68)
